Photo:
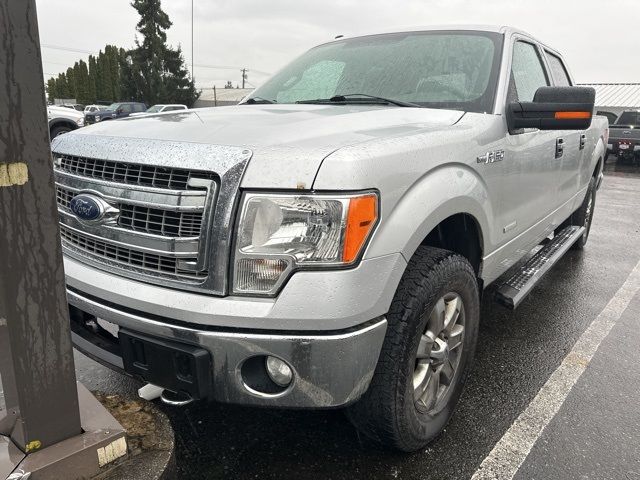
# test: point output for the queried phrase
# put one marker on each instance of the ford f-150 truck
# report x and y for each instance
(624, 138)
(326, 243)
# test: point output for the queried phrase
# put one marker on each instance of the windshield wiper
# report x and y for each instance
(255, 100)
(348, 98)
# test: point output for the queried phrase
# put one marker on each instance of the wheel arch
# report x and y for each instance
(57, 122)
(447, 201)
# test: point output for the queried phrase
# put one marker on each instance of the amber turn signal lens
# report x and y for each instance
(362, 216)
(572, 115)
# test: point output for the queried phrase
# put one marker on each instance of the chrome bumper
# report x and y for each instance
(331, 369)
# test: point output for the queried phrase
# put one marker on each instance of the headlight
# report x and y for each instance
(80, 122)
(279, 233)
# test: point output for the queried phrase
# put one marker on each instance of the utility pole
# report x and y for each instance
(193, 75)
(51, 427)
(244, 76)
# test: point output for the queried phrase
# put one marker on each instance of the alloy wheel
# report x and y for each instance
(439, 352)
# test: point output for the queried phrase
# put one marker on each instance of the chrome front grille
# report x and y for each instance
(155, 228)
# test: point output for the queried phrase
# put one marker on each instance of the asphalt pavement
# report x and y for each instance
(593, 436)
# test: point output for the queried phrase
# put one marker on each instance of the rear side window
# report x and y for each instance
(138, 107)
(558, 71)
(527, 73)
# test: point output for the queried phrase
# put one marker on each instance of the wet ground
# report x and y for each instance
(594, 435)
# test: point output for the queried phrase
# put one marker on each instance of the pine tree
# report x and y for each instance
(93, 95)
(157, 70)
(51, 90)
(81, 74)
(71, 83)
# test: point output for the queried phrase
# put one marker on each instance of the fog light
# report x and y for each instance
(279, 371)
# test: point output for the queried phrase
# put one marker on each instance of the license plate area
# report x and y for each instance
(174, 366)
(624, 146)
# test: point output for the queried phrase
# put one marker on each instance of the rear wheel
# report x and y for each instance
(427, 352)
(584, 215)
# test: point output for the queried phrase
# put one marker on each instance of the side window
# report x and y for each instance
(138, 107)
(126, 108)
(559, 73)
(527, 73)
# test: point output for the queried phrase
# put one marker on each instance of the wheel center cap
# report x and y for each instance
(440, 351)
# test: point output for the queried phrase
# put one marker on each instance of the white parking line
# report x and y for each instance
(504, 461)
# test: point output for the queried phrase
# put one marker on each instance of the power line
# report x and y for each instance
(67, 49)
(228, 67)
(199, 65)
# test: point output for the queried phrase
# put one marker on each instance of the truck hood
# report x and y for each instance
(57, 112)
(288, 142)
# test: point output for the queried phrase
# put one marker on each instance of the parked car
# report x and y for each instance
(114, 111)
(75, 106)
(326, 243)
(63, 120)
(95, 108)
(160, 108)
(624, 137)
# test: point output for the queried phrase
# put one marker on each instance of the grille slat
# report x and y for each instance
(158, 264)
(130, 173)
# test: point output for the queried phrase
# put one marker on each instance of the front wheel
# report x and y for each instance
(59, 130)
(427, 353)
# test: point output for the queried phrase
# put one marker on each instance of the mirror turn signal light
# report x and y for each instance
(572, 115)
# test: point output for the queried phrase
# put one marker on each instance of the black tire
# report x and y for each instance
(584, 215)
(59, 130)
(388, 412)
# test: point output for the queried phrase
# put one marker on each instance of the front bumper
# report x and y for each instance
(331, 369)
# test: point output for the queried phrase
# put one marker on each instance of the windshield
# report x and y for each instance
(154, 109)
(629, 118)
(441, 69)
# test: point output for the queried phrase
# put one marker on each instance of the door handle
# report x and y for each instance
(583, 141)
(559, 147)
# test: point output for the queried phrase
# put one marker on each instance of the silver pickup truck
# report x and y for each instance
(326, 242)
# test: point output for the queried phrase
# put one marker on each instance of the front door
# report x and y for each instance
(531, 163)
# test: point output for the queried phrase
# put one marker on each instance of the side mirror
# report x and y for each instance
(554, 108)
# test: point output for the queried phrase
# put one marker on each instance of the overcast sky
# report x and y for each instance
(263, 35)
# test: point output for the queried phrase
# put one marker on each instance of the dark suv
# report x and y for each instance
(115, 110)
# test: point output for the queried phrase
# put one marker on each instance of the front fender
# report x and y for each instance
(445, 191)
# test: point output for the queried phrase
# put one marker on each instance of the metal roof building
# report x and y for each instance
(616, 97)
(218, 97)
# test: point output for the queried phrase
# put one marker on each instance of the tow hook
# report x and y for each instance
(151, 392)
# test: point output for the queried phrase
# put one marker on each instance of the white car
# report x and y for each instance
(159, 108)
(63, 120)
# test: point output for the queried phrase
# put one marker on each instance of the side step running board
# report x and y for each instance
(516, 288)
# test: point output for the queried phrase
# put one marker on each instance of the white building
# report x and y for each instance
(218, 97)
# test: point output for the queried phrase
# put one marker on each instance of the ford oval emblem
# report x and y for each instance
(86, 207)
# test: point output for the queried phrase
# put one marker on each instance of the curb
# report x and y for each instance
(150, 439)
